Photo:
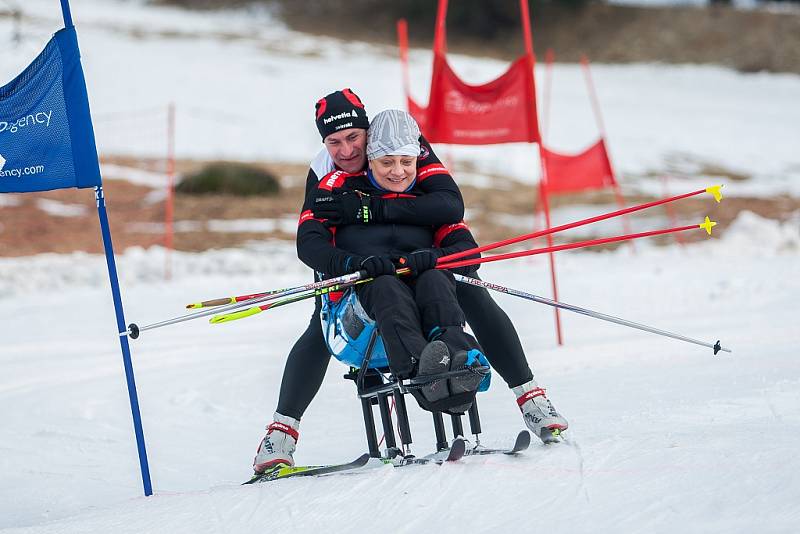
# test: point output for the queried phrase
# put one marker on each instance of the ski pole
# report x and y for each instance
(584, 311)
(231, 300)
(134, 330)
(714, 190)
(248, 312)
(227, 317)
(707, 225)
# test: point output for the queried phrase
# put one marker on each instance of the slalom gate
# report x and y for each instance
(47, 142)
(504, 110)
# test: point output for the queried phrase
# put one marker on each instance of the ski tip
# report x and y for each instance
(457, 450)
(707, 225)
(362, 460)
(716, 192)
(523, 441)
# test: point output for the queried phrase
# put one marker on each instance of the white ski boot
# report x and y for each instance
(540, 416)
(278, 445)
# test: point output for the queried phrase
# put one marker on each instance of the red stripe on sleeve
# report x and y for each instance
(397, 195)
(308, 215)
(430, 170)
(446, 230)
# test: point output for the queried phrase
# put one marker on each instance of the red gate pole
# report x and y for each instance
(402, 43)
(169, 208)
(670, 211)
(549, 57)
(626, 225)
(439, 41)
(526, 30)
(593, 95)
(546, 208)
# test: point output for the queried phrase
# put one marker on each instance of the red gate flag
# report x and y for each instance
(500, 111)
(590, 169)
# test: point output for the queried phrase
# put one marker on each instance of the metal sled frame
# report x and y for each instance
(379, 394)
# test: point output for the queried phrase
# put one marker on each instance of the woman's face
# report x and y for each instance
(394, 173)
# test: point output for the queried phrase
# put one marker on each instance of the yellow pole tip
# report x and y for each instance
(707, 225)
(715, 191)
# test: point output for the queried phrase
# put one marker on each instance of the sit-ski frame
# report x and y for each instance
(397, 389)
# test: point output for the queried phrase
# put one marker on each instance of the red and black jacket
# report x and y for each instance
(440, 204)
(339, 250)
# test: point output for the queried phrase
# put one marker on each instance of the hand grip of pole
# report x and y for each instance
(211, 303)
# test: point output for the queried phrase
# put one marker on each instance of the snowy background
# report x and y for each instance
(663, 436)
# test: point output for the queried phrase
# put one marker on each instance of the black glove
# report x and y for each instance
(420, 260)
(377, 265)
(350, 207)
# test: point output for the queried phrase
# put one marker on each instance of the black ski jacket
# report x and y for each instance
(334, 251)
(440, 204)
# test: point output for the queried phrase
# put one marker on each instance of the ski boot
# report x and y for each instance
(434, 360)
(278, 445)
(537, 410)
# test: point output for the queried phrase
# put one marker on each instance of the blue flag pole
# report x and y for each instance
(83, 108)
(67, 15)
(123, 338)
(47, 142)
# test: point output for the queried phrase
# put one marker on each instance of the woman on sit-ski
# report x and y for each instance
(418, 317)
(342, 122)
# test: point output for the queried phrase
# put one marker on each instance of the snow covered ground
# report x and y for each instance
(664, 436)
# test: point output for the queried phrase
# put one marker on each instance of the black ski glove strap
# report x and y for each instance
(377, 266)
(420, 260)
(350, 207)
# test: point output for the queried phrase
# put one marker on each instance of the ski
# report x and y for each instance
(522, 442)
(282, 471)
(454, 453)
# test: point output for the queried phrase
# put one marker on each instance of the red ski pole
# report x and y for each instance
(713, 190)
(707, 225)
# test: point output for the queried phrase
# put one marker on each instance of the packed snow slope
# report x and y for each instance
(663, 435)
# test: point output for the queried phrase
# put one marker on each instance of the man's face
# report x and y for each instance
(348, 149)
(394, 173)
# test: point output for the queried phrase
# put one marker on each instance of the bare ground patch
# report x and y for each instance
(66, 221)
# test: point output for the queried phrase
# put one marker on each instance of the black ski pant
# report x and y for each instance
(308, 360)
(406, 311)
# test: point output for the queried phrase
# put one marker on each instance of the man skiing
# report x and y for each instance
(342, 123)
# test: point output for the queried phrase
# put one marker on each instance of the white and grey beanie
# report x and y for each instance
(392, 133)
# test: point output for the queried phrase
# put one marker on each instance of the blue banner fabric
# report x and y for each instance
(46, 135)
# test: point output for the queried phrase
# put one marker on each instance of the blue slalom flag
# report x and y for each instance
(46, 135)
(47, 142)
